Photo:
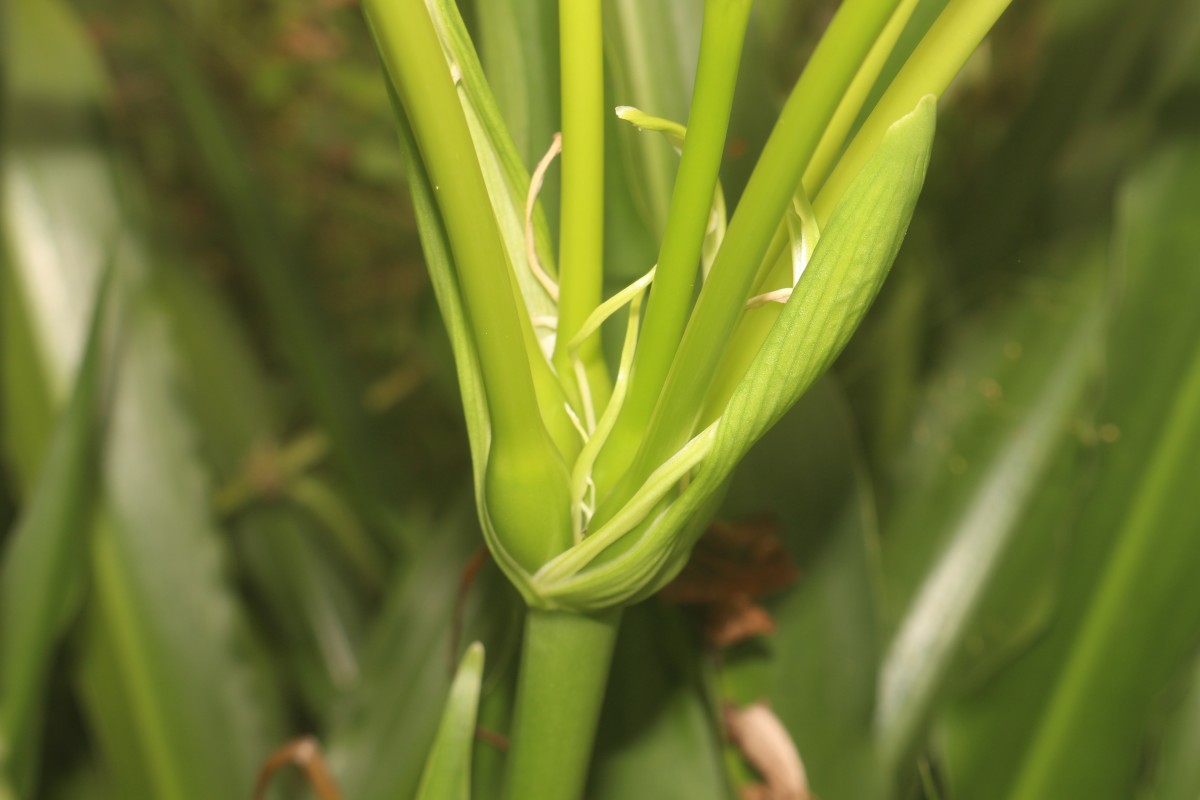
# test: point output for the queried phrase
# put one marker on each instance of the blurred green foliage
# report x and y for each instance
(990, 504)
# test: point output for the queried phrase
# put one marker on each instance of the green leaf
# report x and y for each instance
(448, 769)
(166, 633)
(856, 250)
(818, 670)
(851, 261)
(317, 605)
(1070, 716)
(166, 686)
(1142, 618)
(657, 735)
(394, 709)
(43, 563)
(975, 530)
(1177, 774)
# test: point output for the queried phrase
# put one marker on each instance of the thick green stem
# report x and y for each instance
(834, 138)
(951, 40)
(564, 668)
(581, 249)
(941, 54)
(812, 103)
(526, 484)
(675, 279)
(415, 63)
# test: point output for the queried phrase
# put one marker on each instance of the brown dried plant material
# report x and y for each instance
(736, 620)
(490, 737)
(731, 566)
(305, 755)
(766, 746)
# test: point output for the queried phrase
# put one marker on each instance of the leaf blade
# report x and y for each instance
(447, 773)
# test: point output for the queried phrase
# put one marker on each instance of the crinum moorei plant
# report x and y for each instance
(593, 480)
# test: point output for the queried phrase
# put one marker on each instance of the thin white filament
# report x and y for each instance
(535, 187)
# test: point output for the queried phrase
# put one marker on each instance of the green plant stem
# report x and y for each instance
(675, 279)
(526, 483)
(834, 138)
(812, 103)
(954, 36)
(950, 41)
(564, 668)
(414, 61)
(581, 247)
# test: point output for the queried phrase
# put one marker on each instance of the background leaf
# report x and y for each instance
(164, 630)
(818, 669)
(43, 563)
(1128, 532)
(999, 419)
(657, 736)
(394, 711)
(448, 771)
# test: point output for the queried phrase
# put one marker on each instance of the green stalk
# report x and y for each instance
(414, 61)
(687, 220)
(812, 103)
(564, 668)
(950, 41)
(581, 247)
(847, 112)
(527, 487)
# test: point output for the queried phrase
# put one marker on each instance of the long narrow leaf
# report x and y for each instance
(1006, 400)
(381, 729)
(448, 769)
(1070, 716)
(1143, 618)
(45, 559)
(274, 261)
(167, 685)
(317, 606)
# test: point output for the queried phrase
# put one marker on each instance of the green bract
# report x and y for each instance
(855, 252)
(579, 518)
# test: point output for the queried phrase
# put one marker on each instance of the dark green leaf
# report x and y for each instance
(382, 731)
(44, 560)
(1069, 717)
(998, 415)
(818, 669)
(166, 682)
(658, 736)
